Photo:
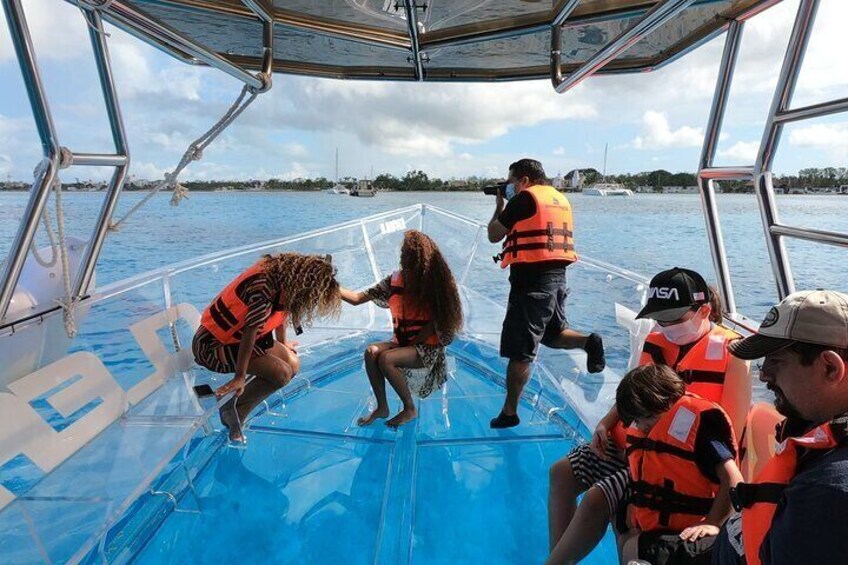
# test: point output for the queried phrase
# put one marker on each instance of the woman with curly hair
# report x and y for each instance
(236, 333)
(426, 315)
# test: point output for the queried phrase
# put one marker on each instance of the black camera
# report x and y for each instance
(495, 189)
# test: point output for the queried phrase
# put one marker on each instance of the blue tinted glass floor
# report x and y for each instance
(312, 487)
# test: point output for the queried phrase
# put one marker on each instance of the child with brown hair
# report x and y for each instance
(681, 451)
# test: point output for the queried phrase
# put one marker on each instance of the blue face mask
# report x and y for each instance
(509, 190)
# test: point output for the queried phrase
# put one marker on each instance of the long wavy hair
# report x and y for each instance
(429, 282)
(308, 284)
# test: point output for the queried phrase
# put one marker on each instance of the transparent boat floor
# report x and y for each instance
(312, 487)
(155, 482)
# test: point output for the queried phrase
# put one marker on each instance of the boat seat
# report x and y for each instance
(758, 445)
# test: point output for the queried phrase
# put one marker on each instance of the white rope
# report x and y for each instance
(69, 302)
(94, 5)
(48, 229)
(39, 170)
(58, 245)
(194, 152)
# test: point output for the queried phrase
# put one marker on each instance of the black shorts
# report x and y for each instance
(535, 313)
(659, 548)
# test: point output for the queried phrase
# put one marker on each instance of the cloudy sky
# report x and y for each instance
(650, 121)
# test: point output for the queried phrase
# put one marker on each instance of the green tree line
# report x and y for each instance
(420, 181)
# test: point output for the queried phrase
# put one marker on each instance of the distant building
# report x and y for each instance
(572, 182)
(558, 182)
(680, 190)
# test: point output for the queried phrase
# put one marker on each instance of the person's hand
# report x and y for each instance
(236, 385)
(599, 440)
(499, 200)
(694, 533)
(291, 345)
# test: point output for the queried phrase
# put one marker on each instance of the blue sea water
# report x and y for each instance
(645, 234)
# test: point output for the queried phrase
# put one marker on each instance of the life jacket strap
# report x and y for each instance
(655, 351)
(667, 501)
(635, 443)
(698, 376)
(515, 248)
(745, 495)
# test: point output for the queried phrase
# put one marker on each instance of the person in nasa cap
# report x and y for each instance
(689, 338)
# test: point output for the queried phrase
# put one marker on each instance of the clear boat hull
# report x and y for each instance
(106, 454)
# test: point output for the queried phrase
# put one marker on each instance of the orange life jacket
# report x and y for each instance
(703, 367)
(669, 490)
(758, 500)
(225, 316)
(546, 235)
(407, 318)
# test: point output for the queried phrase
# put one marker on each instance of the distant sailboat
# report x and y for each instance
(338, 188)
(605, 188)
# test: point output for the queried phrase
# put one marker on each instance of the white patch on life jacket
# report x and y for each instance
(780, 446)
(716, 348)
(682, 424)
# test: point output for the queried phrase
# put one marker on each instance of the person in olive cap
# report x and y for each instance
(795, 509)
(690, 339)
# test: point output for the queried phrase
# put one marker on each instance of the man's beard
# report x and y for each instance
(782, 404)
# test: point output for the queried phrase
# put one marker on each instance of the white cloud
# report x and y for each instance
(297, 170)
(6, 166)
(559, 151)
(831, 139)
(295, 149)
(657, 133)
(742, 151)
(136, 77)
(432, 119)
(57, 28)
(146, 171)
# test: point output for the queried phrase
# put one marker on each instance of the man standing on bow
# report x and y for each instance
(535, 222)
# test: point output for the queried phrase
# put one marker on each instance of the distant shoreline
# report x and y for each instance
(301, 191)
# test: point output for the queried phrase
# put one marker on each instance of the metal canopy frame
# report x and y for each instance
(760, 173)
(130, 17)
(652, 20)
(57, 157)
(565, 13)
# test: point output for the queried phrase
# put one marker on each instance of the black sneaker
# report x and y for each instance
(595, 361)
(504, 421)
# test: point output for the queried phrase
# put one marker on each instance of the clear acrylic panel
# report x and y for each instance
(153, 468)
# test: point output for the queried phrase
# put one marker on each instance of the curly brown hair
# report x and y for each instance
(308, 284)
(429, 282)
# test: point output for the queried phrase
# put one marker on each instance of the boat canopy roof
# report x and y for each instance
(448, 40)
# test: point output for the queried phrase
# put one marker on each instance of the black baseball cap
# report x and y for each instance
(674, 292)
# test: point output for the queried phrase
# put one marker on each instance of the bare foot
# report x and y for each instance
(376, 414)
(402, 417)
(230, 419)
(236, 436)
